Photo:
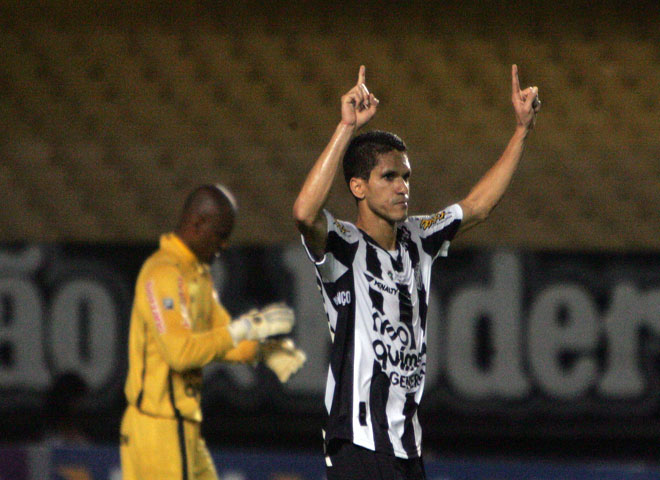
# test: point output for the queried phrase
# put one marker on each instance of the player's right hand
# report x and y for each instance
(274, 319)
(526, 103)
(358, 105)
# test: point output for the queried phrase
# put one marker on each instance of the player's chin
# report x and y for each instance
(400, 214)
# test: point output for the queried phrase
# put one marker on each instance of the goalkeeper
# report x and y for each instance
(177, 327)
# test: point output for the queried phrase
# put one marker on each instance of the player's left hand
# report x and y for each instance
(282, 357)
(358, 105)
(526, 102)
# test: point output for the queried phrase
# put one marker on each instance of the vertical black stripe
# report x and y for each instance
(418, 282)
(182, 448)
(423, 306)
(413, 252)
(397, 263)
(373, 263)
(362, 414)
(144, 367)
(180, 430)
(339, 424)
(379, 392)
(408, 437)
(342, 250)
(404, 293)
(377, 300)
(338, 421)
(406, 311)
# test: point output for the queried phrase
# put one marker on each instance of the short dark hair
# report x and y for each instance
(362, 154)
(204, 199)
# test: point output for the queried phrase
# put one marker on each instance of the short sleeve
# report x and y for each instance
(436, 231)
(330, 220)
(341, 245)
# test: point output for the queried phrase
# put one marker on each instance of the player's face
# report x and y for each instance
(388, 187)
(216, 231)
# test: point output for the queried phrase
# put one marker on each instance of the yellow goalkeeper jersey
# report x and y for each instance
(177, 327)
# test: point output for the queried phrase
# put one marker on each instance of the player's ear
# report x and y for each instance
(357, 186)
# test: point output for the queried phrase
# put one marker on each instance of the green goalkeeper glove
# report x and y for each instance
(283, 358)
(274, 319)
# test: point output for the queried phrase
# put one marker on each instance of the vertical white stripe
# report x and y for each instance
(418, 434)
(329, 390)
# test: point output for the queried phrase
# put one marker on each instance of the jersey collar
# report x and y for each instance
(171, 242)
(373, 242)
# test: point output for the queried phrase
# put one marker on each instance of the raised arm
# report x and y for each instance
(488, 191)
(358, 106)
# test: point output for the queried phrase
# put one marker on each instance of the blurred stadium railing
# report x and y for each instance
(112, 112)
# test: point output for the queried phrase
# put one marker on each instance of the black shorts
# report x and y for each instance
(347, 461)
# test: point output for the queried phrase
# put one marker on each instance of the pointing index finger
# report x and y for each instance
(361, 75)
(515, 83)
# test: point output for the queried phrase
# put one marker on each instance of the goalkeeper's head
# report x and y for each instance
(207, 220)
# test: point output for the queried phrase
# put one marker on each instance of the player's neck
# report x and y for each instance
(379, 229)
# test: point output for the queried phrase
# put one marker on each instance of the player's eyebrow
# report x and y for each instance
(403, 173)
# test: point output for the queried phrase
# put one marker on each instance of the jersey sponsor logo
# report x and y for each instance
(153, 305)
(385, 328)
(168, 303)
(379, 285)
(185, 317)
(401, 358)
(340, 227)
(427, 223)
(342, 298)
(407, 382)
(406, 368)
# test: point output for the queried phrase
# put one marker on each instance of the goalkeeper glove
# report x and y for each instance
(283, 358)
(274, 319)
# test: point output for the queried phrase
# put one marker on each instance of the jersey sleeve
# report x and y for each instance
(436, 231)
(246, 350)
(166, 316)
(341, 245)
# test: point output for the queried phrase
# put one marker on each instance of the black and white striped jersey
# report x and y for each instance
(376, 303)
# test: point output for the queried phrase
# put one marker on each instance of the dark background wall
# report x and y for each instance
(532, 354)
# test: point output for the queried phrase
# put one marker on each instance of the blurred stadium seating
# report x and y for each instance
(111, 114)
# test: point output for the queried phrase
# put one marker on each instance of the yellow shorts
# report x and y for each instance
(163, 449)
